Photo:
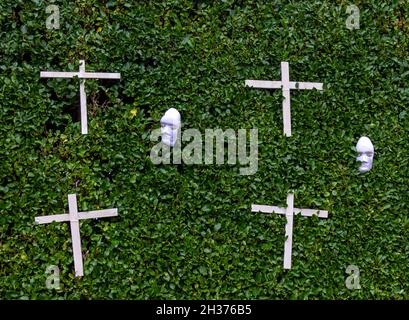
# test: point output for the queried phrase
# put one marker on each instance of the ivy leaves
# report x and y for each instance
(187, 231)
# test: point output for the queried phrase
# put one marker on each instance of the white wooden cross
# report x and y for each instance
(73, 217)
(289, 212)
(81, 75)
(286, 85)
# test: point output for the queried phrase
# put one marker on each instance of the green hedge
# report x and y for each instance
(187, 231)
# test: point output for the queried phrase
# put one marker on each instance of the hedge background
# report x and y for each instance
(187, 231)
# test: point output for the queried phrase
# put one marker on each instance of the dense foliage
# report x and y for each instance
(187, 231)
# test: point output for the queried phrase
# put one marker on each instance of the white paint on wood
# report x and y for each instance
(100, 75)
(286, 85)
(82, 75)
(52, 74)
(86, 75)
(305, 85)
(75, 235)
(279, 210)
(311, 212)
(98, 214)
(288, 245)
(285, 80)
(83, 106)
(73, 217)
(49, 219)
(289, 212)
(263, 84)
(82, 69)
(267, 209)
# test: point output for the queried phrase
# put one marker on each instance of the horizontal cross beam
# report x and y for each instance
(81, 215)
(86, 75)
(261, 84)
(280, 210)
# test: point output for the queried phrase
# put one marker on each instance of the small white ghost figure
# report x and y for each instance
(365, 150)
(170, 125)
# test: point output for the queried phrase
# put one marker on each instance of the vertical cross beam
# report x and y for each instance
(75, 235)
(83, 99)
(285, 82)
(288, 245)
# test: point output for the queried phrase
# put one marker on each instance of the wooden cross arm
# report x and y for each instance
(52, 74)
(311, 212)
(98, 214)
(100, 75)
(267, 209)
(49, 219)
(85, 75)
(306, 85)
(261, 84)
(81, 215)
(279, 210)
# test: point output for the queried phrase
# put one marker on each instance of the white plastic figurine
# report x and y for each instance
(365, 150)
(170, 125)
